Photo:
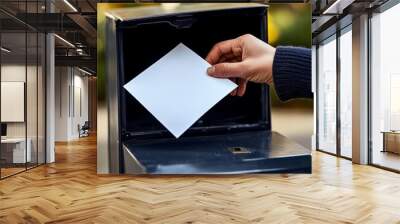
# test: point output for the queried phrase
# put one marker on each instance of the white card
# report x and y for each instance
(177, 90)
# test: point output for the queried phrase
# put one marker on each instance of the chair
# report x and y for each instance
(84, 129)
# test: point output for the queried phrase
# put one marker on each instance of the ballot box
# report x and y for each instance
(233, 137)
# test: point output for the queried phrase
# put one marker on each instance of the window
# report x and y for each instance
(333, 137)
(346, 72)
(327, 95)
(385, 89)
(22, 77)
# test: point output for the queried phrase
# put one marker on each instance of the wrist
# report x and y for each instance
(271, 65)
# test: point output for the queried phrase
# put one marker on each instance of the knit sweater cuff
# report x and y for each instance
(292, 73)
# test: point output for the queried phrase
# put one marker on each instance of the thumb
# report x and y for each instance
(227, 70)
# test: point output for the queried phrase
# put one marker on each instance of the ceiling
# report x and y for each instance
(74, 22)
(332, 15)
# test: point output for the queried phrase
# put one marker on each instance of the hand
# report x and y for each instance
(243, 59)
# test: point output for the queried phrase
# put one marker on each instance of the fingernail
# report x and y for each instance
(210, 70)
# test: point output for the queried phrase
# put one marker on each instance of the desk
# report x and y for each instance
(15, 148)
(391, 141)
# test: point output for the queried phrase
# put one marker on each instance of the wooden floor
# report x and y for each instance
(5, 172)
(69, 191)
(387, 159)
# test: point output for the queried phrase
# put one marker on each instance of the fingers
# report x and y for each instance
(226, 58)
(242, 87)
(229, 58)
(232, 71)
(222, 48)
(234, 92)
(228, 70)
(237, 51)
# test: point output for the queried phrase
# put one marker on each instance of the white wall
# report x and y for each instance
(62, 80)
(33, 126)
(12, 73)
(314, 90)
(12, 101)
(71, 94)
(80, 110)
(385, 74)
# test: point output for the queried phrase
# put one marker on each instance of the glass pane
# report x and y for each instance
(13, 90)
(31, 86)
(385, 84)
(327, 96)
(346, 93)
(41, 98)
(31, 98)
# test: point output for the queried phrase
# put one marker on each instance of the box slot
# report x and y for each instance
(145, 42)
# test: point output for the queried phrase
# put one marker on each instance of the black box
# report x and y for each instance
(233, 137)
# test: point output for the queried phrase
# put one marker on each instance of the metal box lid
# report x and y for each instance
(168, 9)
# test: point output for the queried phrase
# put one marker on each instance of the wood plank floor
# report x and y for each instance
(10, 171)
(69, 191)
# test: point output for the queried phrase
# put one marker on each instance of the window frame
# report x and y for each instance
(28, 29)
(378, 10)
(339, 32)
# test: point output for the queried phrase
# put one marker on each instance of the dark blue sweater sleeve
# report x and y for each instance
(292, 72)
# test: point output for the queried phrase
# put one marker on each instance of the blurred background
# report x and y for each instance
(288, 25)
